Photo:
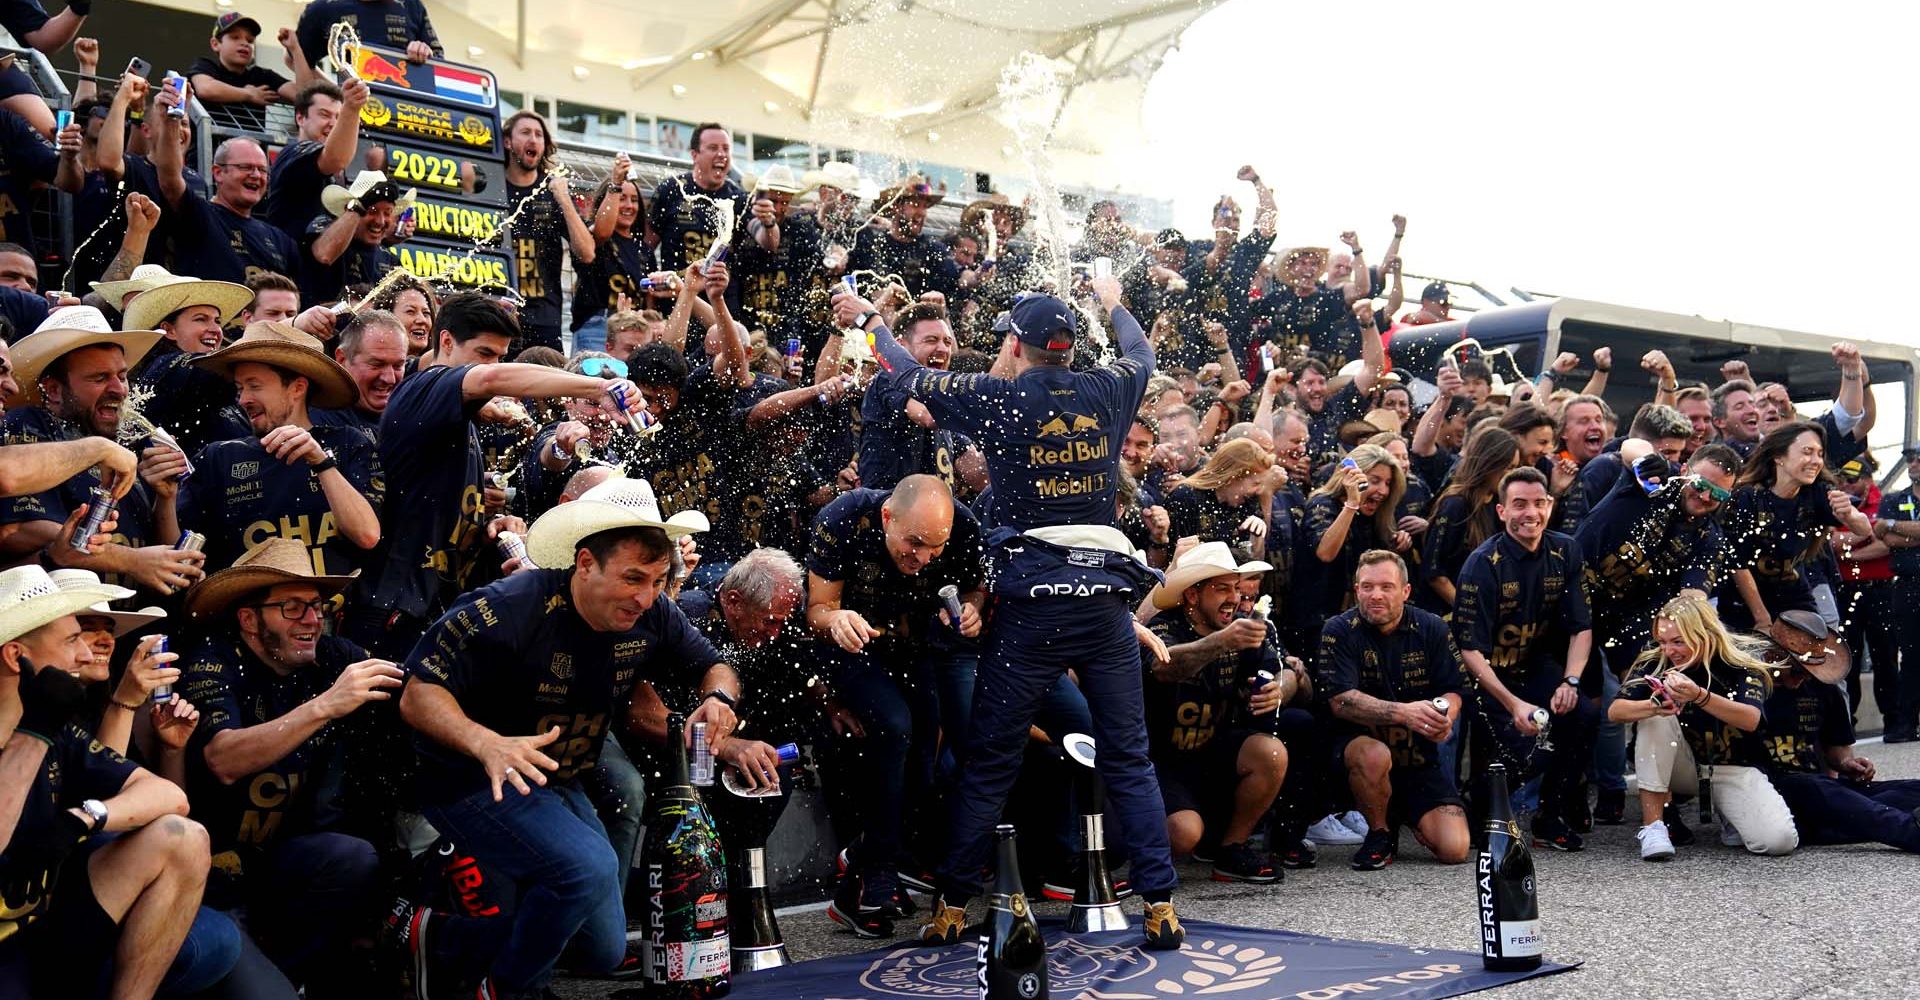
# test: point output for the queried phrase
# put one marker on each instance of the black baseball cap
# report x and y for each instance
(1436, 292)
(1170, 238)
(234, 19)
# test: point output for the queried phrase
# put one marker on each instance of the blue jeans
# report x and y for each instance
(1609, 771)
(1030, 644)
(592, 335)
(552, 845)
(619, 795)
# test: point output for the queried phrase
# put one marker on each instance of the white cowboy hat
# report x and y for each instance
(282, 345)
(145, 278)
(170, 293)
(779, 177)
(1202, 562)
(123, 621)
(274, 561)
(367, 184)
(30, 599)
(68, 329)
(616, 503)
(837, 174)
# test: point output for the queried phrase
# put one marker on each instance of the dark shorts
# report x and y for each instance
(1203, 780)
(1416, 791)
(74, 934)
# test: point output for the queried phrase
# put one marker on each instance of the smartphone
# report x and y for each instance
(139, 67)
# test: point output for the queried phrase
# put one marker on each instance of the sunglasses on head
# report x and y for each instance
(1701, 484)
(608, 368)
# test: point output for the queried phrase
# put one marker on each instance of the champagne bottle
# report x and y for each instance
(1509, 910)
(686, 952)
(1012, 957)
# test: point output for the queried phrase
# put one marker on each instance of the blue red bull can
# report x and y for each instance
(178, 84)
(62, 118)
(163, 693)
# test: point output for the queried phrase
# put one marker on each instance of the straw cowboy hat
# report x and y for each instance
(171, 293)
(836, 174)
(778, 178)
(274, 561)
(68, 329)
(1319, 254)
(146, 277)
(978, 210)
(369, 187)
(912, 186)
(123, 621)
(1201, 563)
(30, 599)
(284, 346)
(616, 503)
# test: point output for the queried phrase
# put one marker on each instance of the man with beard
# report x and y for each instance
(30, 468)
(1178, 455)
(1661, 428)
(1518, 596)
(1736, 415)
(191, 316)
(1326, 412)
(571, 443)
(373, 350)
(898, 436)
(1641, 548)
(1218, 774)
(72, 373)
(542, 209)
(346, 246)
(1806, 739)
(327, 119)
(274, 694)
(319, 486)
(1384, 670)
(1305, 313)
(902, 247)
(685, 216)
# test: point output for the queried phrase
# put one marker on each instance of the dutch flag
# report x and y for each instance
(463, 86)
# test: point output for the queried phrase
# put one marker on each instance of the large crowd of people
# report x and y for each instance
(348, 619)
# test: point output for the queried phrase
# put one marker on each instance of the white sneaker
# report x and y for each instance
(1352, 820)
(1329, 830)
(1655, 845)
(1730, 837)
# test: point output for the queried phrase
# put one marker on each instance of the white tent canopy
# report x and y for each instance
(870, 72)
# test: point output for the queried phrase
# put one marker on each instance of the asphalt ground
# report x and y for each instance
(1714, 923)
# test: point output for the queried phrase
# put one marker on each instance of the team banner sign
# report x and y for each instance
(1241, 963)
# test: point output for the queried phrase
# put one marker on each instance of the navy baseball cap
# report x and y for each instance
(1043, 321)
(1436, 292)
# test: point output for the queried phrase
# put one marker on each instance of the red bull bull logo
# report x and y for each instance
(373, 67)
(1068, 425)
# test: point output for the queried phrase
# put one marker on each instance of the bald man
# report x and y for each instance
(874, 573)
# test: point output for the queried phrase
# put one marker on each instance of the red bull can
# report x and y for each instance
(701, 768)
(62, 118)
(190, 541)
(512, 546)
(163, 693)
(178, 84)
(99, 505)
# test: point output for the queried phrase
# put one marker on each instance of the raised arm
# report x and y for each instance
(337, 155)
(109, 152)
(577, 232)
(54, 35)
(169, 155)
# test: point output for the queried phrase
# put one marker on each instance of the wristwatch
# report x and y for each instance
(324, 464)
(721, 696)
(865, 318)
(1572, 682)
(96, 811)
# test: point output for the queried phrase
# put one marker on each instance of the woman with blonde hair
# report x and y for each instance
(1351, 512)
(1693, 697)
(1228, 500)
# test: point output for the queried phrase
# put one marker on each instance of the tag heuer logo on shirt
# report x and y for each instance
(562, 666)
(245, 470)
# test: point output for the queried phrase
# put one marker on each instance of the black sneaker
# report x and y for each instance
(1062, 884)
(916, 878)
(1610, 809)
(1555, 833)
(1300, 855)
(1206, 851)
(845, 910)
(1377, 851)
(1240, 863)
(1678, 832)
(903, 903)
(404, 935)
(1898, 736)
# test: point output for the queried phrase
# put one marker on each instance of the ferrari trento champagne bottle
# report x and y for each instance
(1503, 886)
(1012, 959)
(686, 950)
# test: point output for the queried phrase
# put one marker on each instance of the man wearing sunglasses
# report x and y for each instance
(274, 694)
(1651, 539)
(577, 441)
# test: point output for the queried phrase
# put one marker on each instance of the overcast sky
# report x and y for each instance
(1739, 161)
